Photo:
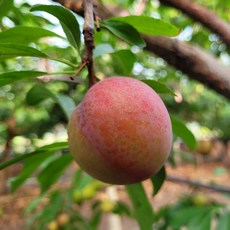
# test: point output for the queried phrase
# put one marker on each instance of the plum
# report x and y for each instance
(121, 132)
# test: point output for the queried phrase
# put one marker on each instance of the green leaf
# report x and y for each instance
(51, 211)
(30, 165)
(33, 204)
(224, 221)
(189, 216)
(55, 146)
(149, 25)
(124, 31)
(203, 224)
(11, 50)
(180, 130)
(159, 87)
(15, 50)
(53, 171)
(81, 180)
(67, 20)
(162, 213)
(123, 61)
(67, 104)
(122, 208)
(37, 94)
(11, 77)
(158, 180)
(143, 211)
(51, 147)
(25, 34)
(5, 6)
(95, 219)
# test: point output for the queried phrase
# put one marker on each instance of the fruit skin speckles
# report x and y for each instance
(121, 132)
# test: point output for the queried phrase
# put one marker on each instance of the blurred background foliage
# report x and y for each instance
(33, 112)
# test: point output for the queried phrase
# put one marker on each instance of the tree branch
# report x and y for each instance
(86, 9)
(215, 188)
(88, 32)
(204, 16)
(192, 60)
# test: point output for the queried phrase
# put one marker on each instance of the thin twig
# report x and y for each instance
(97, 21)
(215, 188)
(88, 32)
(83, 64)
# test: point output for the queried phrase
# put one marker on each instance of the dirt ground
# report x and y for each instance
(13, 204)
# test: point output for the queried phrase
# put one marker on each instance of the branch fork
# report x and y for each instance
(88, 31)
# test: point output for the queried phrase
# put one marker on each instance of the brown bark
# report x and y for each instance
(198, 184)
(204, 16)
(192, 60)
(88, 32)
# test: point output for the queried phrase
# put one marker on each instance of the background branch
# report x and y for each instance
(204, 16)
(190, 59)
(193, 61)
(216, 188)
